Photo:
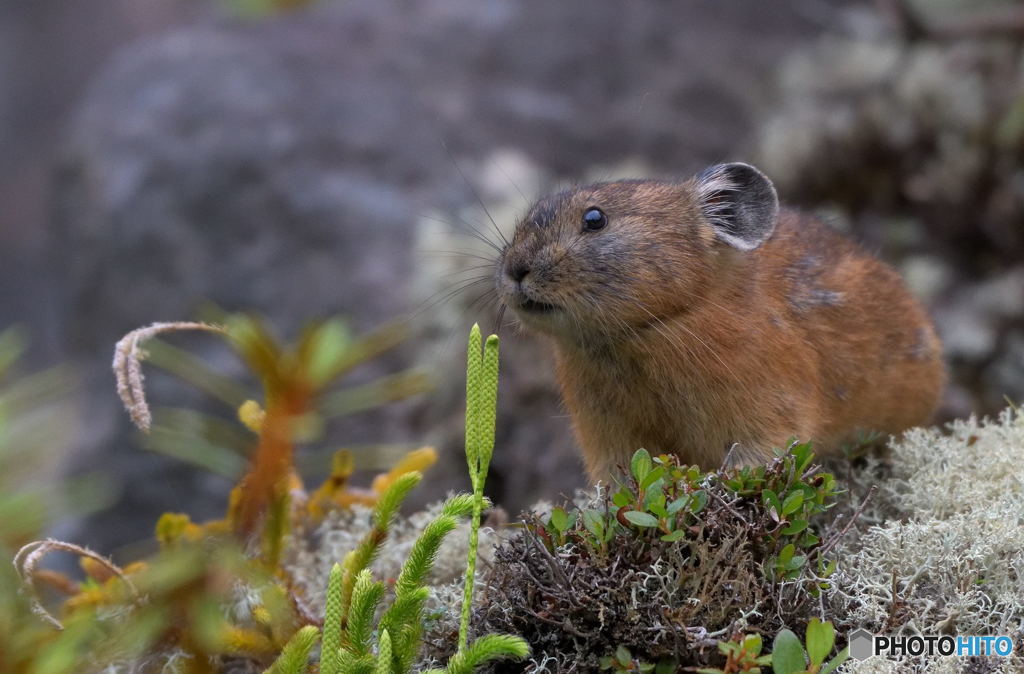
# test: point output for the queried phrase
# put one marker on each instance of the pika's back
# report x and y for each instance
(695, 318)
(880, 359)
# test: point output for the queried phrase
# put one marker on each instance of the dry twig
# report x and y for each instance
(29, 557)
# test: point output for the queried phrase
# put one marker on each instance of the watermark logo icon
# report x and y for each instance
(864, 644)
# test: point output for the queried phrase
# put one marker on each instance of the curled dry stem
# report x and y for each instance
(127, 365)
(29, 557)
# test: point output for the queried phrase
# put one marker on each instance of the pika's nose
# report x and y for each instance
(517, 271)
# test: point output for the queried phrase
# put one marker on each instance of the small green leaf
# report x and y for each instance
(803, 453)
(622, 498)
(752, 644)
(787, 654)
(655, 493)
(700, 499)
(796, 563)
(641, 465)
(666, 667)
(325, 347)
(678, 504)
(593, 520)
(792, 503)
(786, 554)
(622, 653)
(652, 477)
(795, 527)
(641, 519)
(834, 663)
(559, 520)
(609, 532)
(771, 499)
(821, 637)
(656, 502)
(676, 535)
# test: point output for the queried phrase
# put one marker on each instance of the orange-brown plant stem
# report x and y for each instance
(267, 480)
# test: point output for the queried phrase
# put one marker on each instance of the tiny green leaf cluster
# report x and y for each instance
(790, 657)
(659, 497)
(792, 490)
(742, 656)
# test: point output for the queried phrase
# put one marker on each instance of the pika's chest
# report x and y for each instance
(661, 406)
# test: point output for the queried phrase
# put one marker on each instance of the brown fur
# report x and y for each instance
(669, 339)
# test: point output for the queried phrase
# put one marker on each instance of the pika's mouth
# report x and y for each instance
(534, 307)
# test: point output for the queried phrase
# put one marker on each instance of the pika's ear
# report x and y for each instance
(739, 202)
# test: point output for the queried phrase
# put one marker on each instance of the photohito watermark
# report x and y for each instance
(864, 644)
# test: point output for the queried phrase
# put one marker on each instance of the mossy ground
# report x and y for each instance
(939, 548)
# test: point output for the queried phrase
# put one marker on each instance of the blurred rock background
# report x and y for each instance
(305, 159)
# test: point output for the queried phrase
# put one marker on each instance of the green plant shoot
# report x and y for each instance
(481, 412)
(295, 656)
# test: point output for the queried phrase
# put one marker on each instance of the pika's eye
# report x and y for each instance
(594, 219)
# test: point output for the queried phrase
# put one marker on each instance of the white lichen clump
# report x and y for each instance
(950, 560)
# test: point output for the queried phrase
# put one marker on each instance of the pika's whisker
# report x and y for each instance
(467, 228)
(476, 194)
(455, 254)
(446, 294)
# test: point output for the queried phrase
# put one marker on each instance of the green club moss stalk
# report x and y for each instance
(481, 411)
(295, 656)
(332, 623)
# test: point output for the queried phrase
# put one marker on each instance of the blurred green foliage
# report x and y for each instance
(36, 424)
(216, 593)
(309, 371)
(354, 599)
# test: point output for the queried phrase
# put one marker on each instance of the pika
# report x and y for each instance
(697, 318)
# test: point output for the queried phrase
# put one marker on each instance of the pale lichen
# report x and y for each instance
(947, 552)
